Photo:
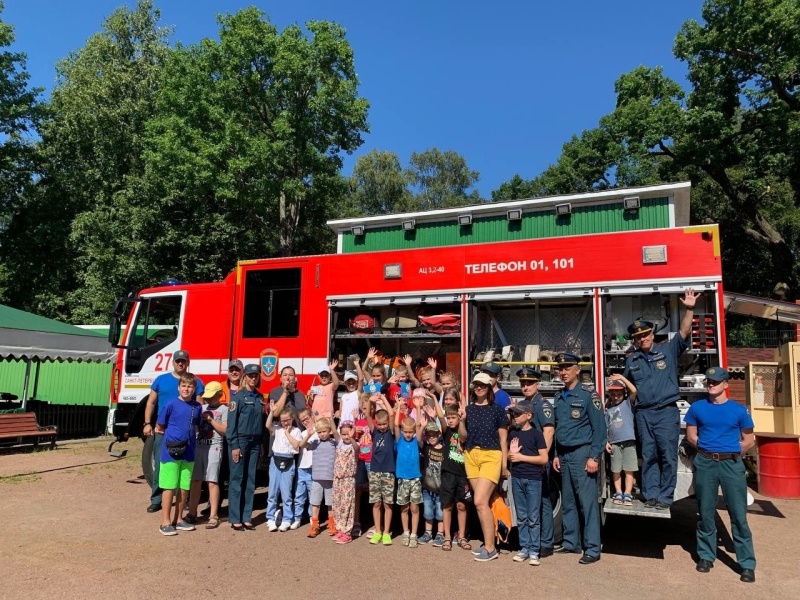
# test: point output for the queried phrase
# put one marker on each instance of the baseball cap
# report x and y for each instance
(482, 378)
(180, 355)
(615, 385)
(718, 374)
(213, 388)
(251, 369)
(349, 375)
(324, 371)
(235, 363)
(523, 406)
(491, 367)
(432, 427)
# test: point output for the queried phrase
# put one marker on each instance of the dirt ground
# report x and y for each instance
(75, 527)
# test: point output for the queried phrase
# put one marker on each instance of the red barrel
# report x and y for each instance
(778, 465)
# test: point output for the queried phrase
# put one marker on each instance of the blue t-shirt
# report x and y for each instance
(407, 458)
(530, 441)
(501, 398)
(719, 425)
(482, 424)
(166, 386)
(179, 420)
(382, 451)
(619, 418)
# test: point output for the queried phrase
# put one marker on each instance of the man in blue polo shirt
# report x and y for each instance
(722, 431)
(653, 369)
(163, 389)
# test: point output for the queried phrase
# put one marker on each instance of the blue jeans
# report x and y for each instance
(528, 504)
(280, 483)
(155, 490)
(431, 506)
(301, 493)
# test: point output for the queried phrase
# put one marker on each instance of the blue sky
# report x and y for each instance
(503, 83)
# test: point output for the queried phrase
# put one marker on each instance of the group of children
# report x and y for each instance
(397, 439)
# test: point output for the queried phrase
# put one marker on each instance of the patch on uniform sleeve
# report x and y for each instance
(232, 406)
(548, 412)
(596, 402)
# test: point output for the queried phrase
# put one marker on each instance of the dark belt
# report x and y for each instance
(561, 448)
(675, 404)
(718, 456)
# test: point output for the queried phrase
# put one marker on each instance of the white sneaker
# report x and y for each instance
(295, 525)
(284, 526)
(534, 560)
(271, 526)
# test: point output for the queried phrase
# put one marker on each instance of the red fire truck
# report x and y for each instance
(518, 301)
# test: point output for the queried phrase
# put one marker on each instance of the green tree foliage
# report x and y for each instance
(249, 136)
(84, 235)
(20, 112)
(433, 179)
(734, 134)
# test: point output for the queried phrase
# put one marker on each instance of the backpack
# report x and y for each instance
(502, 517)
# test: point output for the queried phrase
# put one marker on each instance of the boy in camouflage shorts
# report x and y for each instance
(381, 475)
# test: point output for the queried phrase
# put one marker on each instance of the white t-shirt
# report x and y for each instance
(280, 445)
(349, 404)
(306, 455)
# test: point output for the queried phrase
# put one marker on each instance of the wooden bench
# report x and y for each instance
(23, 425)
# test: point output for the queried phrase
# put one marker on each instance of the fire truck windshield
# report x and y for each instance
(157, 321)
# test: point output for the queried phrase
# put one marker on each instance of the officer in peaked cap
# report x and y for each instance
(653, 369)
(580, 442)
(545, 421)
(245, 430)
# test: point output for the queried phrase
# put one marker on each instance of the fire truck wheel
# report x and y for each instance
(147, 459)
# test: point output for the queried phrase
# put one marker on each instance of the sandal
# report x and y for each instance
(213, 523)
(447, 545)
(617, 498)
(464, 543)
(237, 526)
(627, 499)
(249, 526)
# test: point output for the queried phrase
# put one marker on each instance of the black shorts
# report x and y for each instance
(454, 488)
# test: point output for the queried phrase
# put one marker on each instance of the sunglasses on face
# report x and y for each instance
(253, 375)
(480, 385)
(711, 382)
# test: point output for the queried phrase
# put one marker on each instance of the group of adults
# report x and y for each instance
(574, 429)
(575, 432)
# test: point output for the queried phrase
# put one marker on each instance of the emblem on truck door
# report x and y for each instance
(269, 363)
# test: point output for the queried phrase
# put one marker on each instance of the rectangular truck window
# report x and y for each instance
(272, 304)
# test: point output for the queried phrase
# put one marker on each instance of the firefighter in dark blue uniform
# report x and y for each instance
(244, 434)
(653, 369)
(545, 421)
(580, 442)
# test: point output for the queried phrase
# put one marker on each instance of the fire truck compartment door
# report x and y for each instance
(350, 301)
(500, 295)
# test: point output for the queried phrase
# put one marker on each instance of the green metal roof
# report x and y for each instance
(661, 206)
(12, 318)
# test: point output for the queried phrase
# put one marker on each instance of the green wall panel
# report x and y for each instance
(604, 218)
(68, 382)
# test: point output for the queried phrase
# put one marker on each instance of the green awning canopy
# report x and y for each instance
(29, 336)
